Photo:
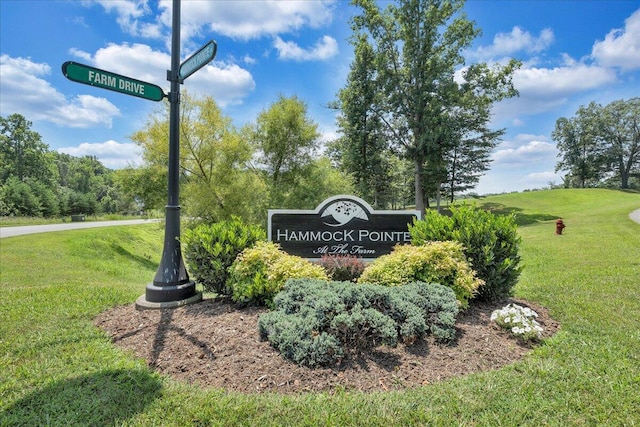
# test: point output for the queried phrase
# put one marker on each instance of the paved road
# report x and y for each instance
(32, 229)
(635, 215)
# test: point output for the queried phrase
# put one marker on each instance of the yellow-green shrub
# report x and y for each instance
(435, 262)
(261, 271)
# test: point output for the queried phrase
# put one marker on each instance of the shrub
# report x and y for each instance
(439, 262)
(210, 249)
(315, 323)
(259, 272)
(342, 268)
(490, 243)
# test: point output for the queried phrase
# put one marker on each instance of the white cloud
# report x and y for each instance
(25, 91)
(247, 59)
(85, 111)
(545, 177)
(136, 60)
(247, 20)
(561, 81)
(130, 16)
(527, 150)
(544, 89)
(518, 40)
(496, 182)
(85, 56)
(324, 49)
(112, 154)
(243, 20)
(228, 84)
(621, 47)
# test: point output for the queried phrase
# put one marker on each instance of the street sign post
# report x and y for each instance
(202, 57)
(85, 74)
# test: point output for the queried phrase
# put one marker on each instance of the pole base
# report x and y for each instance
(169, 296)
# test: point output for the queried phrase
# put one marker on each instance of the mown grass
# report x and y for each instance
(56, 368)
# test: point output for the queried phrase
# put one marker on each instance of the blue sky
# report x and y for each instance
(573, 52)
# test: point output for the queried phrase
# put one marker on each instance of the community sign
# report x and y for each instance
(340, 225)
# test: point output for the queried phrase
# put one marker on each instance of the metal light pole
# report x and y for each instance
(171, 286)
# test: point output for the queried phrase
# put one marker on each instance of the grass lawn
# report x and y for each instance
(56, 368)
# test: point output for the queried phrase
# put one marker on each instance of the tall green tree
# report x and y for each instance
(22, 152)
(286, 140)
(418, 47)
(621, 135)
(217, 180)
(600, 144)
(86, 186)
(363, 151)
(580, 149)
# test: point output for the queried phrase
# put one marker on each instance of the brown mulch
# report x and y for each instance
(216, 344)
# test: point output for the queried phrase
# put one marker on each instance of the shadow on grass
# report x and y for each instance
(144, 261)
(521, 218)
(104, 398)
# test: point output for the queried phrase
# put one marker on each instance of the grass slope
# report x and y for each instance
(56, 368)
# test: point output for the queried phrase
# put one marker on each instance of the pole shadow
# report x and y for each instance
(108, 397)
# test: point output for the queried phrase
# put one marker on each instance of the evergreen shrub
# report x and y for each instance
(342, 268)
(210, 249)
(437, 262)
(316, 323)
(260, 272)
(489, 242)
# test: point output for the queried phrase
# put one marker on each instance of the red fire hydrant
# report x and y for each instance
(559, 226)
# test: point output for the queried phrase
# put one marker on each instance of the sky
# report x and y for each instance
(572, 53)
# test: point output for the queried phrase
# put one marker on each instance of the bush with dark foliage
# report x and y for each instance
(210, 249)
(490, 243)
(315, 323)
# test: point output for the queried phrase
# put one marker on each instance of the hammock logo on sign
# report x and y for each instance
(340, 225)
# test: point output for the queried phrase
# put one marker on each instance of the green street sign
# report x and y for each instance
(107, 80)
(202, 57)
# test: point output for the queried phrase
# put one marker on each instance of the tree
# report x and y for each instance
(22, 152)
(285, 139)
(19, 199)
(143, 188)
(580, 151)
(35, 181)
(417, 46)
(88, 185)
(362, 151)
(621, 135)
(600, 144)
(216, 176)
(317, 181)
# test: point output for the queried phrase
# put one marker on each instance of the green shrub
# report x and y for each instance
(342, 268)
(490, 243)
(259, 272)
(210, 249)
(315, 323)
(438, 262)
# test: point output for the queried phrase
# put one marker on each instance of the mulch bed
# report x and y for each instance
(216, 344)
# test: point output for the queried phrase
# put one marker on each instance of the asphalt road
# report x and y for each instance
(33, 229)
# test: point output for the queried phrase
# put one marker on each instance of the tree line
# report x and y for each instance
(413, 122)
(600, 145)
(38, 182)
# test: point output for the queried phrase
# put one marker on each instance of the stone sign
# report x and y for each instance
(340, 225)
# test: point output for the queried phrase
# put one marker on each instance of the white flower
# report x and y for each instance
(519, 320)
